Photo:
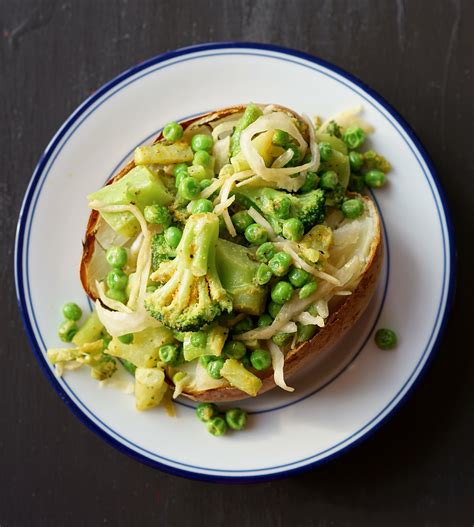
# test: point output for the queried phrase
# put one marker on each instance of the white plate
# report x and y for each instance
(350, 391)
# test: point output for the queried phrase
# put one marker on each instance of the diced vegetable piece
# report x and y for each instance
(335, 142)
(251, 114)
(150, 387)
(143, 351)
(141, 187)
(237, 273)
(340, 164)
(239, 377)
(90, 331)
(263, 145)
(162, 154)
(211, 343)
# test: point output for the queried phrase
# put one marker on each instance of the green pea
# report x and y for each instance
(173, 236)
(206, 359)
(265, 252)
(67, 330)
(356, 183)
(325, 151)
(308, 289)
(202, 158)
(273, 308)
(280, 138)
(126, 339)
(356, 160)
(72, 311)
(206, 411)
(354, 137)
(198, 339)
(256, 234)
(189, 187)
(282, 339)
(282, 207)
(180, 176)
(236, 418)
(311, 182)
(169, 353)
(234, 349)
(201, 205)
(245, 361)
(374, 178)
(117, 279)
(263, 274)
(129, 366)
(298, 277)
(151, 288)
(117, 294)
(180, 167)
(264, 320)
(173, 132)
(352, 208)
(305, 332)
(386, 339)
(202, 142)
(280, 263)
(214, 368)
(329, 180)
(241, 221)
(116, 257)
(199, 172)
(157, 214)
(243, 325)
(281, 292)
(217, 425)
(204, 183)
(260, 359)
(293, 229)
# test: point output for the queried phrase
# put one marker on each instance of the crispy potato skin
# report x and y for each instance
(338, 323)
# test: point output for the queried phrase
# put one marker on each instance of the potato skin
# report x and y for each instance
(338, 323)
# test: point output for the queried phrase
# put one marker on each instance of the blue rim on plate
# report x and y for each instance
(36, 178)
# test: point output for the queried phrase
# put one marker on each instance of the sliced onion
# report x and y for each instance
(228, 223)
(282, 160)
(117, 323)
(308, 319)
(278, 362)
(221, 152)
(221, 207)
(208, 191)
(289, 327)
(110, 302)
(258, 218)
(223, 128)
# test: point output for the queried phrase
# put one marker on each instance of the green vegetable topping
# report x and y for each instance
(67, 330)
(280, 263)
(293, 229)
(243, 325)
(202, 205)
(333, 129)
(260, 359)
(126, 339)
(356, 160)
(180, 167)
(217, 426)
(356, 183)
(325, 151)
(117, 279)
(374, 178)
(298, 277)
(281, 292)
(241, 221)
(386, 339)
(265, 252)
(117, 294)
(204, 183)
(214, 368)
(189, 188)
(263, 275)
(354, 137)
(206, 359)
(202, 142)
(173, 236)
(311, 182)
(129, 366)
(264, 320)
(352, 208)
(206, 411)
(198, 339)
(308, 289)
(173, 132)
(157, 214)
(273, 309)
(282, 339)
(72, 311)
(169, 353)
(329, 180)
(202, 158)
(234, 349)
(280, 138)
(296, 156)
(256, 234)
(251, 114)
(305, 332)
(236, 418)
(116, 257)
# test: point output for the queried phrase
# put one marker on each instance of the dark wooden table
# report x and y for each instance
(419, 468)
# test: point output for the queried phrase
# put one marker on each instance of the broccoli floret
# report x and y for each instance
(103, 367)
(191, 294)
(333, 129)
(277, 206)
(372, 160)
(334, 198)
(161, 251)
